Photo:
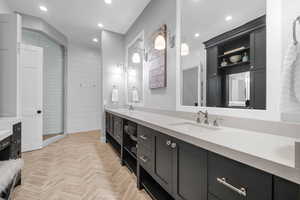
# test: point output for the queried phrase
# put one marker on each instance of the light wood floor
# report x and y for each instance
(78, 167)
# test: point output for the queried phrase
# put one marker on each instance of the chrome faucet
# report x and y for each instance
(205, 115)
(131, 108)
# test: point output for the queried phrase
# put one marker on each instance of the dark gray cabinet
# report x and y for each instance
(182, 171)
(258, 53)
(118, 129)
(231, 180)
(109, 123)
(189, 172)
(251, 36)
(163, 161)
(285, 190)
(258, 89)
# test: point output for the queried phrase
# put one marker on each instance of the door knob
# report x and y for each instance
(39, 112)
(173, 145)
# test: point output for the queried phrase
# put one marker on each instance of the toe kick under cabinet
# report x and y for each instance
(168, 168)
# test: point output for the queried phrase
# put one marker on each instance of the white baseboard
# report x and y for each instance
(52, 140)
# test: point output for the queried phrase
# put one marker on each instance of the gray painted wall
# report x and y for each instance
(112, 55)
(158, 12)
(4, 7)
(37, 24)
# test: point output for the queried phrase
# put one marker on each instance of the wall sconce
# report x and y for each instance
(160, 40)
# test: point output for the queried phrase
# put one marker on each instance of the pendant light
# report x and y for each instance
(185, 49)
(160, 42)
(136, 58)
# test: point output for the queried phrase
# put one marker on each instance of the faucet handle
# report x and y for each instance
(216, 121)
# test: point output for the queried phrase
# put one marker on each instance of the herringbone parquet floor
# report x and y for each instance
(78, 167)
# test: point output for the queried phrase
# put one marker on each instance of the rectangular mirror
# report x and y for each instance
(239, 90)
(227, 45)
(134, 70)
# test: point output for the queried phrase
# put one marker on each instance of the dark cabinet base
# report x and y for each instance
(170, 169)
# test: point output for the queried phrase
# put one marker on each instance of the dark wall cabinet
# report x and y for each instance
(252, 38)
(182, 171)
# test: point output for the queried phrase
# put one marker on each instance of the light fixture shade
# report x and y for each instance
(185, 49)
(160, 42)
(136, 58)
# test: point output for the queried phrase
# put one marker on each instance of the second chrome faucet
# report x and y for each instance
(204, 114)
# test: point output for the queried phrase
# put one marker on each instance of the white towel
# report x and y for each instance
(8, 171)
(135, 95)
(290, 92)
(297, 74)
(115, 95)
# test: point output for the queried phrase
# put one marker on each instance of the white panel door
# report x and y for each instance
(31, 97)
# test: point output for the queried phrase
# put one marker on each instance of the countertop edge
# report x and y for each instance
(286, 172)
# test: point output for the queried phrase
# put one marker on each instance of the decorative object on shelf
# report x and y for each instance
(115, 94)
(245, 57)
(235, 59)
(157, 60)
(224, 63)
(234, 50)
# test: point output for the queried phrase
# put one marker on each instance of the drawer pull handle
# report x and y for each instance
(143, 137)
(144, 159)
(241, 191)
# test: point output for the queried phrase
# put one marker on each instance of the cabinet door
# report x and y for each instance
(212, 61)
(163, 161)
(258, 89)
(118, 129)
(213, 92)
(190, 172)
(285, 190)
(258, 52)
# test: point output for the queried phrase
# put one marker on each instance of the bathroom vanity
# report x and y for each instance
(10, 144)
(180, 159)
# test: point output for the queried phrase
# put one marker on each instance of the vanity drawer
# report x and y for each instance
(146, 158)
(146, 137)
(231, 180)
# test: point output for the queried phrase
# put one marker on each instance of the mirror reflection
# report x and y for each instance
(135, 59)
(223, 53)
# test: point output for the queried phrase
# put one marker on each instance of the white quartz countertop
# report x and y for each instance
(4, 134)
(271, 153)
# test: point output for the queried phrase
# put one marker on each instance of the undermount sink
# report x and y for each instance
(189, 126)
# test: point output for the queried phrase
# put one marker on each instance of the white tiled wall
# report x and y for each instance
(84, 91)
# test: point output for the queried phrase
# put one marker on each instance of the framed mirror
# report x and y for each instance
(227, 44)
(134, 71)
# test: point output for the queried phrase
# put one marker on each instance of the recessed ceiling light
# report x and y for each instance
(108, 1)
(100, 25)
(43, 8)
(96, 40)
(197, 35)
(228, 18)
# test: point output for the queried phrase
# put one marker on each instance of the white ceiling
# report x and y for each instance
(207, 17)
(78, 19)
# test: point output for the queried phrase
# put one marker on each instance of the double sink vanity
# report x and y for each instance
(176, 158)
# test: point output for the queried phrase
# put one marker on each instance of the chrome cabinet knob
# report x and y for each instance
(173, 145)
(168, 143)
